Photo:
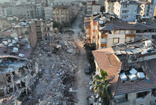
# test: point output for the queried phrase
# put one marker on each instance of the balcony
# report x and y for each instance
(103, 44)
(130, 35)
(103, 35)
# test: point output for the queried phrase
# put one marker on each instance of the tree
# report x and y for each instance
(102, 87)
(89, 47)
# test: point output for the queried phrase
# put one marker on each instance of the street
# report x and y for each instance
(81, 78)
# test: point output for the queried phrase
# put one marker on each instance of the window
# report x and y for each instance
(125, 6)
(124, 11)
(124, 16)
(122, 31)
(115, 40)
(142, 94)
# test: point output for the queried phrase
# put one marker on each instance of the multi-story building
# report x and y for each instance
(109, 5)
(131, 72)
(48, 12)
(127, 10)
(87, 27)
(93, 7)
(17, 74)
(74, 9)
(131, 10)
(147, 9)
(62, 13)
(106, 30)
(27, 11)
(39, 11)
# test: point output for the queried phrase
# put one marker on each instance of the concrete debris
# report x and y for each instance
(17, 72)
(56, 72)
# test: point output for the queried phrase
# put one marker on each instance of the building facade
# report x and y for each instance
(127, 10)
(62, 13)
(107, 30)
(138, 90)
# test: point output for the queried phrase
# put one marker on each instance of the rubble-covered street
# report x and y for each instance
(61, 60)
(56, 72)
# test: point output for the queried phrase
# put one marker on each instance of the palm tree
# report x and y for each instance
(102, 87)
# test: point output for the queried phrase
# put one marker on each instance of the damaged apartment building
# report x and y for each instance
(106, 30)
(17, 71)
(131, 72)
(35, 30)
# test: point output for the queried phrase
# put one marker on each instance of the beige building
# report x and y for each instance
(87, 27)
(109, 5)
(93, 7)
(131, 71)
(62, 13)
(106, 30)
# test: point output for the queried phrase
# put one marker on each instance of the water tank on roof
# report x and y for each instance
(123, 77)
(148, 43)
(140, 75)
(15, 50)
(132, 71)
(133, 77)
(5, 43)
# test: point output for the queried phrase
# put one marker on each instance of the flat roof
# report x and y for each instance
(130, 56)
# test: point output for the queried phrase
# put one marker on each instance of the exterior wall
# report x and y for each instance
(89, 8)
(107, 40)
(117, 9)
(132, 99)
(155, 10)
(87, 32)
(145, 35)
(39, 10)
(32, 35)
(93, 31)
(61, 15)
(48, 12)
(101, 2)
(21, 11)
(96, 8)
(111, 36)
(147, 10)
(128, 13)
(102, 41)
(109, 6)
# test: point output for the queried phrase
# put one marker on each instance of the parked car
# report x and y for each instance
(87, 70)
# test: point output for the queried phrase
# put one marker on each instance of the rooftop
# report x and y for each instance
(110, 63)
(8, 47)
(61, 6)
(135, 71)
(130, 2)
(141, 26)
(109, 21)
(118, 24)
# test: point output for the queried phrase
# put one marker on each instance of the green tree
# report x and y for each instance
(102, 87)
(89, 47)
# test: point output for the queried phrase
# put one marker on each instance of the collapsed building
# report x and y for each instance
(35, 30)
(17, 72)
(131, 72)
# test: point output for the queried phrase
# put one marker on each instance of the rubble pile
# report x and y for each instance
(56, 72)
(17, 73)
